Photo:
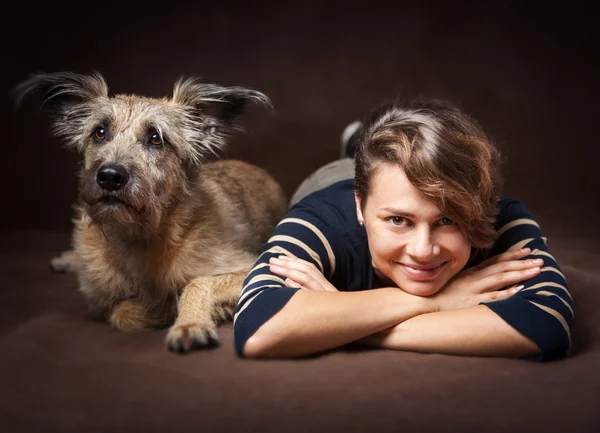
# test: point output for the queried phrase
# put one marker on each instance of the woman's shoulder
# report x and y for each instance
(334, 209)
(515, 227)
(510, 209)
(333, 206)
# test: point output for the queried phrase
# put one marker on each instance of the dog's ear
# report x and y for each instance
(212, 112)
(65, 96)
(223, 104)
(60, 91)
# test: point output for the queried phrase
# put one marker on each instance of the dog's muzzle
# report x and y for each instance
(112, 177)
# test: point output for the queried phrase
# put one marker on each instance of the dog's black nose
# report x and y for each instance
(112, 177)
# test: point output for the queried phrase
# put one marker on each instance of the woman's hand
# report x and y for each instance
(300, 274)
(493, 279)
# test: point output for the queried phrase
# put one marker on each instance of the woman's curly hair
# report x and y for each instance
(444, 153)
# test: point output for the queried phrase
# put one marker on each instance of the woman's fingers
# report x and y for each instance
(505, 256)
(288, 270)
(507, 266)
(291, 283)
(499, 295)
(294, 263)
(501, 280)
(503, 270)
(300, 272)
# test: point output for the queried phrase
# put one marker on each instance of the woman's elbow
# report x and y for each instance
(552, 344)
(275, 345)
(559, 348)
(255, 348)
(259, 345)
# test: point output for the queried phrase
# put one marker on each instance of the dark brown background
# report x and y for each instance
(523, 70)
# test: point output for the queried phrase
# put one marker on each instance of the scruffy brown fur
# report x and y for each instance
(161, 237)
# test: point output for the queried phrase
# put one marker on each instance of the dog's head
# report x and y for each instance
(140, 154)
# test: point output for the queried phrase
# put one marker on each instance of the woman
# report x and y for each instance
(418, 252)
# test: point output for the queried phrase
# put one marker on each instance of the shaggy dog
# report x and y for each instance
(162, 237)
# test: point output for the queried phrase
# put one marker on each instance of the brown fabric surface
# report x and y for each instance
(524, 71)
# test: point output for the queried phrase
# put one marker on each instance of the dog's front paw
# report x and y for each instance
(185, 337)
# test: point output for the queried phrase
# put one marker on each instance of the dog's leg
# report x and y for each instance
(67, 262)
(204, 302)
(136, 315)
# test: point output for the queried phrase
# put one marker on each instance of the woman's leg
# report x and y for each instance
(329, 174)
(335, 171)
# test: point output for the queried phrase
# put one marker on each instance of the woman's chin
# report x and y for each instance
(419, 288)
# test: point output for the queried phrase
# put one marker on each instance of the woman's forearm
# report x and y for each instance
(475, 331)
(314, 321)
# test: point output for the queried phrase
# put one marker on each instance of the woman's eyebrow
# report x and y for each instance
(401, 212)
(397, 211)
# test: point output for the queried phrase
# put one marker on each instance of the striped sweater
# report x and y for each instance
(323, 229)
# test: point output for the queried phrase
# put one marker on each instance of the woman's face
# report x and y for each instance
(411, 242)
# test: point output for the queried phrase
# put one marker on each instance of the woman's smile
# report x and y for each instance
(422, 272)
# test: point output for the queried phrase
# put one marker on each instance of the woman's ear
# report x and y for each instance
(359, 214)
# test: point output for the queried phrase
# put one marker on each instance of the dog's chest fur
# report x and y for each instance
(131, 267)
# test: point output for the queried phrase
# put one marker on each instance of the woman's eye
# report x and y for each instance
(397, 220)
(446, 221)
(99, 133)
(156, 139)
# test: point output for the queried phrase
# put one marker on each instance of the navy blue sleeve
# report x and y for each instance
(300, 234)
(543, 309)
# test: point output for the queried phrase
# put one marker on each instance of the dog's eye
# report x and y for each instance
(155, 139)
(99, 133)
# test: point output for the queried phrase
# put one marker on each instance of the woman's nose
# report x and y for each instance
(421, 246)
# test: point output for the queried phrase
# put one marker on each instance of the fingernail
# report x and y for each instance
(519, 288)
(534, 270)
(275, 268)
(525, 250)
(538, 261)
